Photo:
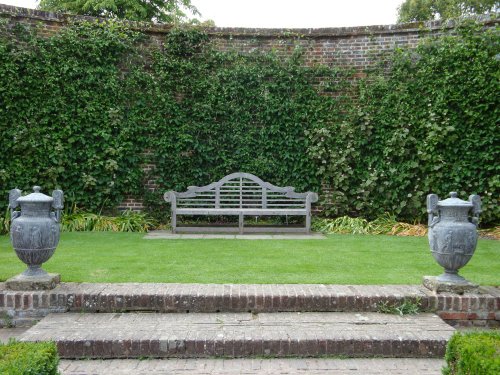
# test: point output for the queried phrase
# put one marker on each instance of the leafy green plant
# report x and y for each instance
(406, 307)
(5, 222)
(21, 358)
(220, 112)
(128, 221)
(386, 224)
(342, 225)
(425, 121)
(134, 10)
(6, 320)
(73, 88)
(200, 112)
(424, 10)
(383, 224)
(475, 353)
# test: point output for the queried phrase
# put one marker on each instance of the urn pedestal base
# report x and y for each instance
(438, 284)
(39, 282)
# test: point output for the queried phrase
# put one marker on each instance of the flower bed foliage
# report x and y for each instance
(128, 221)
(79, 109)
(386, 224)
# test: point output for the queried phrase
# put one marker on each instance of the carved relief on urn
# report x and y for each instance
(453, 233)
(35, 229)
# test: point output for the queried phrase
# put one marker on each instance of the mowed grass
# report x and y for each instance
(340, 259)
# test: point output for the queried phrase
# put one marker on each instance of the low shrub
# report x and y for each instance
(386, 224)
(5, 223)
(475, 353)
(342, 225)
(128, 221)
(22, 358)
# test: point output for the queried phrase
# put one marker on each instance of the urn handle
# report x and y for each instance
(432, 209)
(58, 203)
(476, 208)
(14, 194)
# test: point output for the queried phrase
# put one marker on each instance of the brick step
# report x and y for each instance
(27, 307)
(255, 366)
(207, 298)
(134, 335)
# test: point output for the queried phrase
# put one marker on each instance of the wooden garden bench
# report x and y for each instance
(241, 194)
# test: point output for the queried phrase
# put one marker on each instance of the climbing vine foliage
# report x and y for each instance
(83, 110)
(426, 122)
(64, 114)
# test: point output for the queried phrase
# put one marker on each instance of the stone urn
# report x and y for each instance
(34, 233)
(453, 234)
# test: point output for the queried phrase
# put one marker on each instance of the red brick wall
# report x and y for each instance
(345, 46)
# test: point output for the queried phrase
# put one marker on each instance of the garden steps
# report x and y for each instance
(310, 334)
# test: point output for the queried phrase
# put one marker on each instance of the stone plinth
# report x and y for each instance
(39, 282)
(438, 286)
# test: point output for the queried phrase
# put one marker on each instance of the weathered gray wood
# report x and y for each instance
(244, 211)
(256, 229)
(240, 223)
(241, 194)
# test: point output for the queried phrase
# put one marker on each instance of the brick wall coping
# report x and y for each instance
(226, 32)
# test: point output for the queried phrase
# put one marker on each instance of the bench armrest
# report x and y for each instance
(170, 196)
(311, 197)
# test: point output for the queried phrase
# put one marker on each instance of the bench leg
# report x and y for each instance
(240, 223)
(308, 223)
(174, 222)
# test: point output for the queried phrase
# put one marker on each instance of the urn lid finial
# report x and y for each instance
(454, 201)
(36, 196)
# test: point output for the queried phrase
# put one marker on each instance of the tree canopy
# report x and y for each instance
(423, 10)
(134, 10)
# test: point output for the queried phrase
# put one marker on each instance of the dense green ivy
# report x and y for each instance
(427, 123)
(217, 112)
(78, 111)
(63, 114)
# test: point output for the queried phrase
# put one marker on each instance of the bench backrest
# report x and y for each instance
(241, 190)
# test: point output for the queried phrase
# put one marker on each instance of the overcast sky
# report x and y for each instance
(287, 13)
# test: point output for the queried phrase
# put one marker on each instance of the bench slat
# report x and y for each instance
(245, 211)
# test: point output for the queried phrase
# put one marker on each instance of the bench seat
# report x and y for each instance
(243, 211)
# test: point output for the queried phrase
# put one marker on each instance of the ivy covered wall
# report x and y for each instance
(81, 102)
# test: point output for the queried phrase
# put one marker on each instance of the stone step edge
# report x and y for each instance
(240, 298)
(128, 349)
(236, 335)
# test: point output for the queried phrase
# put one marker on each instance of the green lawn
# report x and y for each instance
(341, 259)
